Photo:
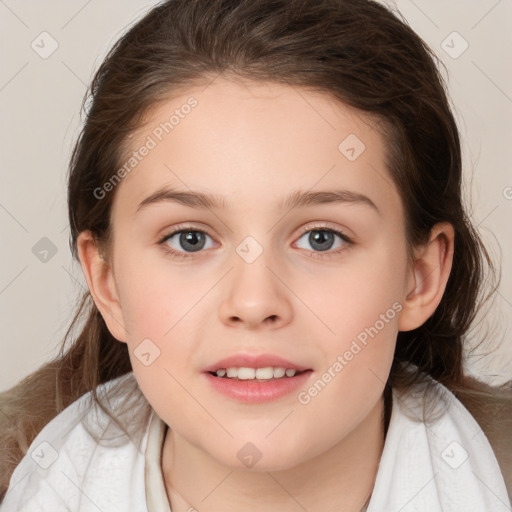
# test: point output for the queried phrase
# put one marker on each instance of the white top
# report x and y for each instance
(446, 465)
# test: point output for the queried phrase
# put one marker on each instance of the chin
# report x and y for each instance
(261, 456)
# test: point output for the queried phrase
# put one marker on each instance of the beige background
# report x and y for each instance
(40, 100)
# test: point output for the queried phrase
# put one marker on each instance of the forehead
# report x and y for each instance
(250, 142)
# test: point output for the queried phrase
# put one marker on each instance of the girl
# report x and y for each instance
(266, 203)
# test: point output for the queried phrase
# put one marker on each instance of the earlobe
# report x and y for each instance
(100, 280)
(428, 277)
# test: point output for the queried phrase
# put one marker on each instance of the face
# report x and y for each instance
(318, 283)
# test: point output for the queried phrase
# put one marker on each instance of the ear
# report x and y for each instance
(100, 280)
(428, 277)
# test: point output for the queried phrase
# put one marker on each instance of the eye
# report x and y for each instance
(323, 238)
(189, 241)
(184, 241)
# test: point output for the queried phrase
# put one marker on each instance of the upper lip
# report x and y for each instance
(254, 361)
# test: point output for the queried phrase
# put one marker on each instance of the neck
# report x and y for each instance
(340, 479)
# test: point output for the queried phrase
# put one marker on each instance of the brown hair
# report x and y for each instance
(358, 52)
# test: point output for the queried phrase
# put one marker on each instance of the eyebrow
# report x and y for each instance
(297, 199)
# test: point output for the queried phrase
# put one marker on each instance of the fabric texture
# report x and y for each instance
(443, 465)
(156, 494)
(435, 459)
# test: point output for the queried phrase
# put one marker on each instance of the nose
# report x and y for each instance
(256, 295)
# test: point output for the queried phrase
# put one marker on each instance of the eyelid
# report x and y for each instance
(183, 227)
(327, 226)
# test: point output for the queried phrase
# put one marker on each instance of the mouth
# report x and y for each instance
(260, 362)
(265, 374)
(256, 379)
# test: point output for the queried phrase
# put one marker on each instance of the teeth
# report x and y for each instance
(246, 373)
(266, 373)
(279, 372)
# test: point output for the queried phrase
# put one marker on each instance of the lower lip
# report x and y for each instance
(253, 392)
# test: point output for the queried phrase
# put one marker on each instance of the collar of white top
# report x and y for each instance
(448, 463)
(156, 495)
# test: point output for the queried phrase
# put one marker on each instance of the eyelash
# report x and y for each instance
(317, 227)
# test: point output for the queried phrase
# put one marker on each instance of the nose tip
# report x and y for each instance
(255, 297)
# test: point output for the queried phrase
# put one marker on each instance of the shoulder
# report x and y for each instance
(477, 414)
(79, 458)
(491, 407)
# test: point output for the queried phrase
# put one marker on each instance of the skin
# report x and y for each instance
(253, 144)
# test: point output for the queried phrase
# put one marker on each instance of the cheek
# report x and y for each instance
(155, 296)
(352, 297)
(156, 307)
(361, 307)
